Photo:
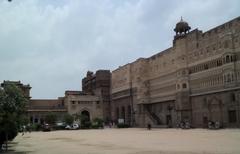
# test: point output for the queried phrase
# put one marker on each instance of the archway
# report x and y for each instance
(215, 110)
(85, 119)
(85, 115)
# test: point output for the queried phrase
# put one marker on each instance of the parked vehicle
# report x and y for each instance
(214, 125)
(46, 128)
(68, 127)
(60, 126)
(73, 127)
(184, 125)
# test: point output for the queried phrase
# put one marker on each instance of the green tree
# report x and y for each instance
(51, 118)
(12, 107)
(97, 123)
(68, 119)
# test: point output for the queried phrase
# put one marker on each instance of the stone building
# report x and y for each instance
(74, 102)
(99, 84)
(39, 108)
(79, 103)
(196, 80)
(25, 88)
(93, 101)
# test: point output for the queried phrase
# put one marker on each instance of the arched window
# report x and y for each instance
(31, 119)
(219, 62)
(178, 86)
(227, 59)
(205, 66)
(233, 97)
(184, 85)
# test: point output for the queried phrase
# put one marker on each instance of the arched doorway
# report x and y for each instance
(86, 115)
(85, 119)
(215, 110)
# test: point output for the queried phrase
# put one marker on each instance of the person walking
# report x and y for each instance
(149, 126)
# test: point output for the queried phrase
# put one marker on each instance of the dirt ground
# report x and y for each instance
(130, 141)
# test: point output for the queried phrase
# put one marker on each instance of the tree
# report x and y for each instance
(97, 123)
(8, 130)
(51, 118)
(68, 119)
(12, 107)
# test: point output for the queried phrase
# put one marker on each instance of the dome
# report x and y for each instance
(182, 27)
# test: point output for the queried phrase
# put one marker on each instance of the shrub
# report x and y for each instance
(34, 127)
(68, 119)
(97, 123)
(59, 126)
(51, 118)
(122, 125)
(86, 125)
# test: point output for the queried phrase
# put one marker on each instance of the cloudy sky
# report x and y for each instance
(51, 44)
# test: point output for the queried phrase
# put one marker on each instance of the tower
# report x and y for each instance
(181, 29)
(182, 103)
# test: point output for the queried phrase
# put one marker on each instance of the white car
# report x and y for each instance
(75, 126)
(68, 127)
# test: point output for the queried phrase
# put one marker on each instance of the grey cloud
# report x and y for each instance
(51, 44)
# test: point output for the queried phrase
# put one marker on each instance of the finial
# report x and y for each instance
(181, 19)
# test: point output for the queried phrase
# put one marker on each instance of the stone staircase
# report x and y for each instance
(154, 118)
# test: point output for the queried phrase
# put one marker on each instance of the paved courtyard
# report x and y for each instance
(130, 141)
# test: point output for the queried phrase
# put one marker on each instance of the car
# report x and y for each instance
(46, 128)
(60, 126)
(68, 127)
(75, 126)
(72, 127)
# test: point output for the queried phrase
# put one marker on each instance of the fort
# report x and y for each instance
(197, 80)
